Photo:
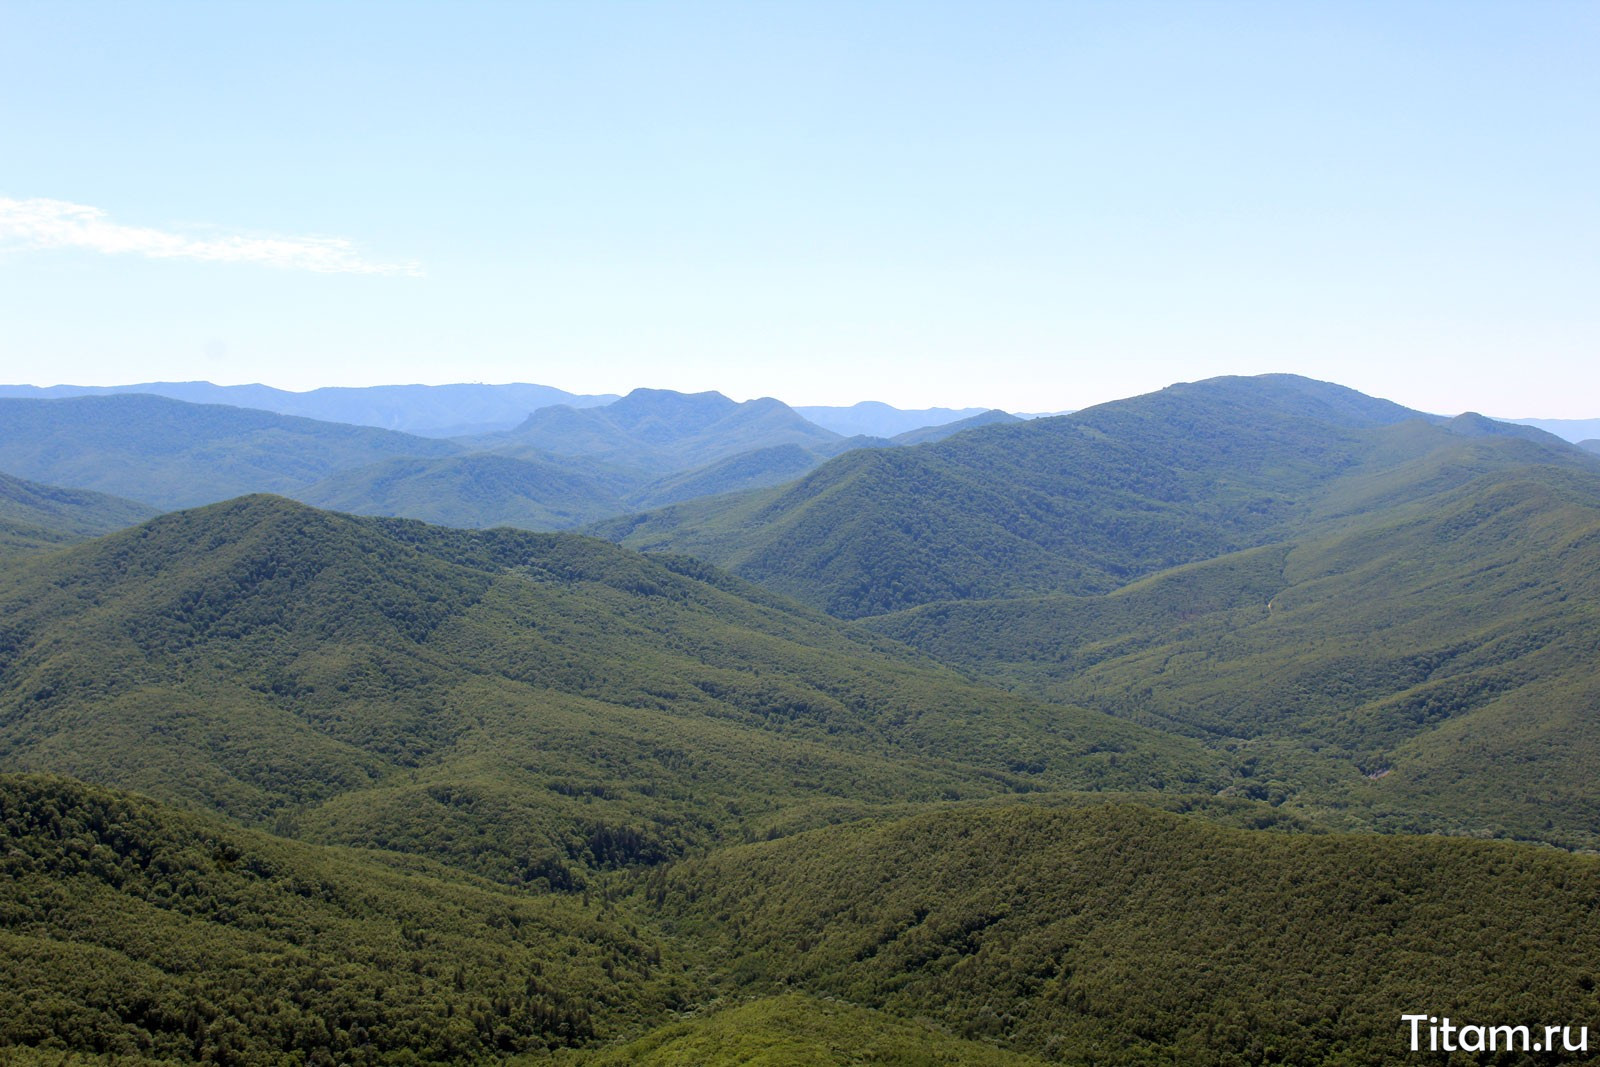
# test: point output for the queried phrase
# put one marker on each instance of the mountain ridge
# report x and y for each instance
(1074, 504)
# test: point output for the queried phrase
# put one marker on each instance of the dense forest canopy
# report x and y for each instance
(1169, 732)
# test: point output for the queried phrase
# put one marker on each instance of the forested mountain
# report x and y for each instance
(428, 410)
(664, 431)
(926, 434)
(170, 454)
(465, 408)
(747, 470)
(1432, 628)
(386, 683)
(1123, 936)
(481, 489)
(35, 516)
(652, 447)
(128, 928)
(422, 795)
(534, 491)
(1078, 504)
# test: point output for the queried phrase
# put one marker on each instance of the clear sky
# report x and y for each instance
(1031, 206)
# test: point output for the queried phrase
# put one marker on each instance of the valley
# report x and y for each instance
(1220, 725)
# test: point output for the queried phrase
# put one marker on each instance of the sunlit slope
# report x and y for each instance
(36, 517)
(1441, 651)
(794, 1030)
(1121, 935)
(1078, 504)
(530, 706)
(130, 928)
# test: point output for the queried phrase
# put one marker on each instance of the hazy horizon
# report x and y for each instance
(953, 404)
(1029, 206)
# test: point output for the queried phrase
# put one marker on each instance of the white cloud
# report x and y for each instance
(39, 224)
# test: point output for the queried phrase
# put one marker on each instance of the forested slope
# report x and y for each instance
(1435, 659)
(35, 517)
(170, 454)
(1076, 504)
(1120, 935)
(130, 928)
(534, 707)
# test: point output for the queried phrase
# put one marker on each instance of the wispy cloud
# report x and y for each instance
(38, 224)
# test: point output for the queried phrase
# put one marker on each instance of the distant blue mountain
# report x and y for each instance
(871, 418)
(1575, 430)
(428, 410)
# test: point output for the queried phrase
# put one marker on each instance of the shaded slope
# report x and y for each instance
(1120, 935)
(747, 470)
(171, 454)
(479, 490)
(530, 706)
(130, 928)
(35, 517)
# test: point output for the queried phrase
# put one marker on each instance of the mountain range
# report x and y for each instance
(428, 410)
(1169, 731)
(561, 467)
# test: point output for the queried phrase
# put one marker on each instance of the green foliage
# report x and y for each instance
(35, 517)
(128, 929)
(550, 792)
(1119, 935)
(1425, 666)
(801, 1031)
(747, 470)
(533, 707)
(1081, 504)
(928, 434)
(480, 490)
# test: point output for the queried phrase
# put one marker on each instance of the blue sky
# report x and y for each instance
(1032, 206)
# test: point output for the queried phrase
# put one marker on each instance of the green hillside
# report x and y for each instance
(35, 517)
(1427, 665)
(1119, 935)
(1077, 504)
(532, 707)
(170, 454)
(1075, 788)
(127, 928)
(926, 434)
(795, 1030)
(757, 469)
(480, 490)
